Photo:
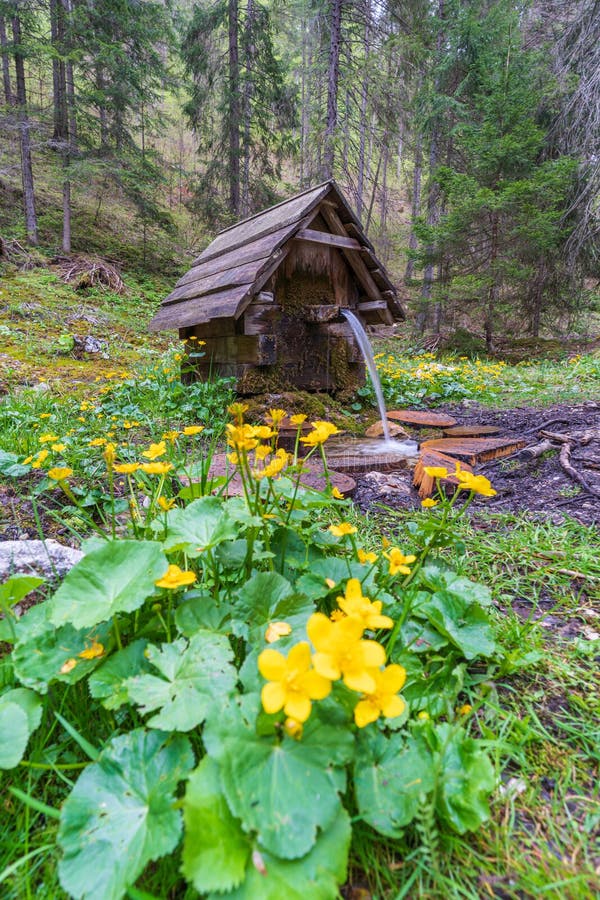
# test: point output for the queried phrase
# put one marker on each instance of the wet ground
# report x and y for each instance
(541, 486)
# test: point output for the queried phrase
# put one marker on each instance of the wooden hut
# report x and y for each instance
(266, 296)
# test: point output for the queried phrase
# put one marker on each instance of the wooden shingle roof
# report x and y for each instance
(235, 266)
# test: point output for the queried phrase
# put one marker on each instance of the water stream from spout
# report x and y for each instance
(365, 348)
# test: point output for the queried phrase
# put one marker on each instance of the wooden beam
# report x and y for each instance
(353, 256)
(323, 237)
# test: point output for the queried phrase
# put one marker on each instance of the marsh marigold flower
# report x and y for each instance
(165, 504)
(93, 652)
(60, 473)
(291, 682)
(126, 468)
(192, 429)
(277, 416)
(398, 562)
(365, 556)
(321, 432)
(342, 529)
(355, 605)
(237, 410)
(241, 437)
(155, 450)
(436, 471)
(156, 468)
(336, 494)
(174, 578)
(429, 503)
(479, 484)
(58, 448)
(384, 700)
(47, 438)
(341, 652)
(277, 630)
(298, 419)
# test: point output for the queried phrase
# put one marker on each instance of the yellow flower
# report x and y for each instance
(174, 578)
(156, 468)
(27, 460)
(171, 436)
(436, 471)
(45, 415)
(355, 605)
(60, 473)
(274, 467)
(291, 683)
(237, 410)
(465, 709)
(241, 437)
(68, 666)
(92, 652)
(264, 432)
(336, 615)
(336, 494)
(423, 715)
(58, 448)
(155, 450)
(47, 438)
(277, 630)
(429, 503)
(277, 416)
(97, 442)
(321, 432)
(293, 728)
(341, 652)
(342, 529)
(298, 419)
(365, 556)
(41, 457)
(165, 504)
(479, 484)
(126, 468)
(192, 429)
(262, 452)
(109, 454)
(233, 459)
(399, 562)
(384, 699)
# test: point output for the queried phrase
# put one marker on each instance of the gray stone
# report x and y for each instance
(45, 558)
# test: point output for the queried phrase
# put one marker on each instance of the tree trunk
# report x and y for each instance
(432, 217)
(362, 126)
(25, 138)
(102, 114)
(333, 77)
(8, 94)
(494, 291)
(413, 243)
(59, 78)
(234, 110)
(70, 82)
(249, 53)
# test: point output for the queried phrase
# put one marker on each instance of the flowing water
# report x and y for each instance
(402, 448)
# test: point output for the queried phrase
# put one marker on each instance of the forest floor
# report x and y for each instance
(540, 487)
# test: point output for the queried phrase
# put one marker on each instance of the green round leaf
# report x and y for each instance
(215, 849)
(389, 777)
(14, 734)
(120, 815)
(114, 578)
(201, 525)
(192, 678)
(107, 682)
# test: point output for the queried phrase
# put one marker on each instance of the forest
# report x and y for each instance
(282, 618)
(465, 135)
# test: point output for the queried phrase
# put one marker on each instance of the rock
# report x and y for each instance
(41, 387)
(383, 483)
(46, 558)
(88, 344)
(376, 430)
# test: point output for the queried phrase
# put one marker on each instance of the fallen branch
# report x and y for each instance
(536, 450)
(565, 461)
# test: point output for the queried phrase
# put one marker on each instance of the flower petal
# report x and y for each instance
(315, 686)
(298, 707)
(374, 654)
(319, 629)
(271, 665)
(272, 696)
(299, 659)
(365, 712)
(325, 664)
(392, 678)
(360, 681)
(393, 707)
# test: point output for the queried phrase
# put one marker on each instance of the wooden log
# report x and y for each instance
(565, 461)
(471, 430)
(421, 418)
(353, 256)
(323, 237)
(320, 313)
(226, 304)
(536, 450)
(259, 318)
(425, 482)
(256, 349)
(475, 450)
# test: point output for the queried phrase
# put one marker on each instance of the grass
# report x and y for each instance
(540, 714)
